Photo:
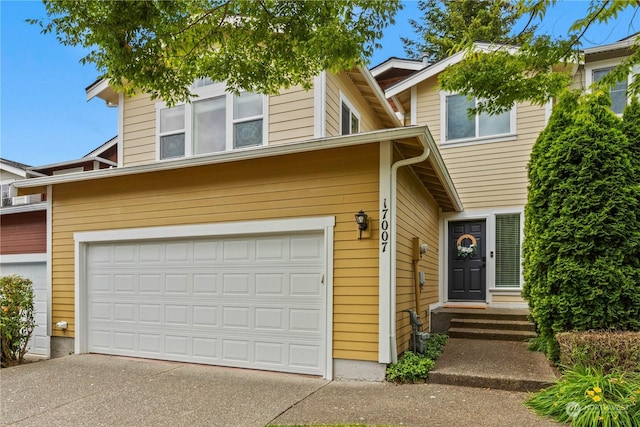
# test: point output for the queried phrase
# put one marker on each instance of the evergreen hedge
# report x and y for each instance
(582, 223)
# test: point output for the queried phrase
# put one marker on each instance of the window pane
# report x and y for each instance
(459, 124)
(203, 82)
(172, 119)
(508, 251)
(495, 124)
(599, 74)
(355, 124)
(209, 131)
(172, 146)
(345, 126)
(247, 134)
(618, 92)
(247, 104)
(619, 97)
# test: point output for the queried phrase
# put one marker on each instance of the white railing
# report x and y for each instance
(21, 200)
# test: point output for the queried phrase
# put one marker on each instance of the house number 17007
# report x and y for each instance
(384, 226)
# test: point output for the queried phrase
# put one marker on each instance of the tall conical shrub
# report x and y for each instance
(581, 229)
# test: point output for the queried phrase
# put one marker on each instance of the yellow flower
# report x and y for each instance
(590, 392)
(597, 389)
(596, 398)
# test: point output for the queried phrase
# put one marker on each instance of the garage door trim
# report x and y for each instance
(324, 224)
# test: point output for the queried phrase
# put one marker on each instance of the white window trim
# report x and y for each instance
(606, 63)
(489, 215)
(352, 109)
(444, 143)
(203, 93)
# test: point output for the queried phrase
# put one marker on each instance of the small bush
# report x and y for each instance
(410, 368)
(434, 345)
(413, 367)
(606, 350)
(16, 318)
(588, 398)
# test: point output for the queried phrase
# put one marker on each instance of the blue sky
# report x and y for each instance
(44, 115)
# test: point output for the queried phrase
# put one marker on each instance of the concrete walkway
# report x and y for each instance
(96, 390)
(504, 365)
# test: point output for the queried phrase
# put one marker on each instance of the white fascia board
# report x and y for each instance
(403, 64)
(440, 66)
(626, 43)
(23, 208)
(74, 162)
(441, 170)
(113, 141)
(423, 75)
(13, 169)
(233, 156)
(96, 89)
(22, 258)
(380, 95)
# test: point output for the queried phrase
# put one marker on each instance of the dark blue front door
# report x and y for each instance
(467, 260)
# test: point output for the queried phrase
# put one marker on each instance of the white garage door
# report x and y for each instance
(36, 271)
(254, 302)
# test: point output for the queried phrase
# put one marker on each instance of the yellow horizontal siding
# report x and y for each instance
(508, 299)
(335, 182)
(337, 83)
(486, 175)
(417, 216)
(139, 128)
(291, 116)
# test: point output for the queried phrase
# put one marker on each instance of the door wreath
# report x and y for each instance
(467, 251)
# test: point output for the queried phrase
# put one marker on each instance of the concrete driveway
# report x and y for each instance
(96, 390)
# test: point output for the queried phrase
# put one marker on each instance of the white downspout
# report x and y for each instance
(392, 279)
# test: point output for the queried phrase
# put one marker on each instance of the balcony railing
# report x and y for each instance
(22, 200)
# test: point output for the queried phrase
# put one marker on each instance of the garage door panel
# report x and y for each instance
(246, 302)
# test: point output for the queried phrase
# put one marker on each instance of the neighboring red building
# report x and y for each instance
(23, 231)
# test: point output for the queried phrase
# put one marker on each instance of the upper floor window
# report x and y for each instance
(6, 195)
(618, 92)
(459, 126)
(215, 121)
(349, 117)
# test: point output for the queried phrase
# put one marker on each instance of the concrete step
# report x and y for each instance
(491, 334)
(498, 364)
(492, 315)
(513, 325)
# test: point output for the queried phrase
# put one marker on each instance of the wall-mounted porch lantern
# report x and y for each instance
(363, 222)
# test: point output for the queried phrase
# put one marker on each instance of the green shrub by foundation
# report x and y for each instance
(607, 350)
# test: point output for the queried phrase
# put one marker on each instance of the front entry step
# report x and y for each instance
(488, 328)
(485, 324)
(503, 365)
(491, 334)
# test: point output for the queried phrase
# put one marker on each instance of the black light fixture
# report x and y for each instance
(362, 221)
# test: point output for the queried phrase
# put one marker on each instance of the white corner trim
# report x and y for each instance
(120, 142)
(328, 244)
(384, 263)
(414, 106)
(320, 105)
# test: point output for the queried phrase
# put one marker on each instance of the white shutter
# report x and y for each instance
(508, 251)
